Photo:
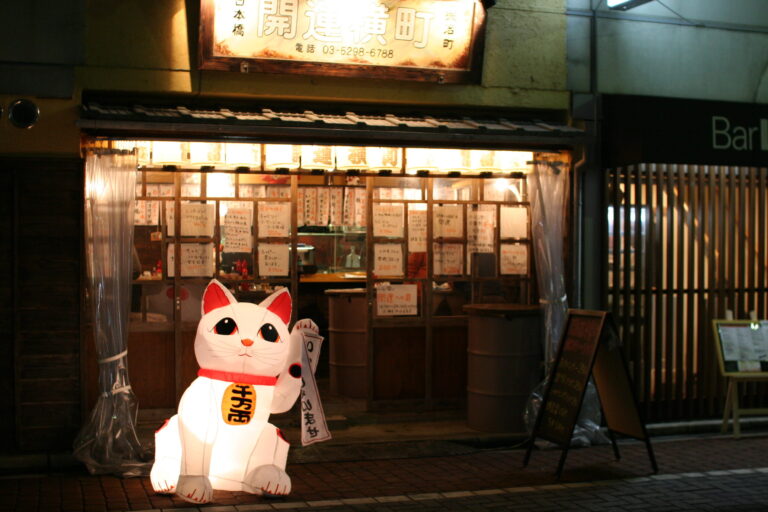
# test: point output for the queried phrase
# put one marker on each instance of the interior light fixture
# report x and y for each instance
(624, 5)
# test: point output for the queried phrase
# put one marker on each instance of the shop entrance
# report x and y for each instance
(383, 262)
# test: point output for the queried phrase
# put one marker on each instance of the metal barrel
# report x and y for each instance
(504, 357)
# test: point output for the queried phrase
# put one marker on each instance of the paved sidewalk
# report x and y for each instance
(701, 473)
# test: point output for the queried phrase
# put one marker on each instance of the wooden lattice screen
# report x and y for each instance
(685, 243)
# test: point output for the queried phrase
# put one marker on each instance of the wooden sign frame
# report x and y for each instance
(472, 75)
(734, 377)
(587, 349)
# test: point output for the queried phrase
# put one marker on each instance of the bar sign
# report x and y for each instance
(764, 134)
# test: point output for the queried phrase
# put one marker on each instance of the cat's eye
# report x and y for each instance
(225, 326)
(269, 333)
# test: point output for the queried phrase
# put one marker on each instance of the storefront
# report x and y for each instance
(406, 165)
(383, 227)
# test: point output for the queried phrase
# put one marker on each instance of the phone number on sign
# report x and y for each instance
(358, 51)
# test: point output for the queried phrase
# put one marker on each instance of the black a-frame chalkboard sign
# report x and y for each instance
(586, 350)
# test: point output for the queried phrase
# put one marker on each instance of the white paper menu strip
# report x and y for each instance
(397, 300)
(274, 260)
(514, 222)
(336, 206)
(388, 220)
(480, 230)
(514, 259)
(388, 260)
(417, 230)
(197, 260)
(274, 219)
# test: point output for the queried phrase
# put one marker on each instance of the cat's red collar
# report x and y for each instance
(241, 378)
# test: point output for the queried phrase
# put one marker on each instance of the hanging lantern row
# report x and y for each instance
(290, 157)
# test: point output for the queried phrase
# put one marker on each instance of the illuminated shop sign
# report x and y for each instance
(430, 40)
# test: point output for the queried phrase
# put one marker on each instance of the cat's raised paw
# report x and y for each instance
(268, 480)
(194, 488)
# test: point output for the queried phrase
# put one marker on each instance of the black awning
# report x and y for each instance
(434, 129)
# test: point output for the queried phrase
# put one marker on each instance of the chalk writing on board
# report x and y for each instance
(570, 377)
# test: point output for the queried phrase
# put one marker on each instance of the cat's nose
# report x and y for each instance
(247, 342)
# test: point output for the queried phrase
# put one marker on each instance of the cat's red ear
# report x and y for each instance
(216, 296)
(280, 304)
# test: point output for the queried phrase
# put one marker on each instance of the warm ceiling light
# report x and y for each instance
(624, 5)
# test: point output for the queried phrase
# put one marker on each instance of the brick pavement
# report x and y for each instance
(703, 473)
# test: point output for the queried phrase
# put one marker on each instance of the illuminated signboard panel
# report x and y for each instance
(428, 40)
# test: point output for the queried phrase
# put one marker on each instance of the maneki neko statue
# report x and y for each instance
(250, 367)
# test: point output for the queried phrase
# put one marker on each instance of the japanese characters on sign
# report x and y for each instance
(397, 300)
(418, 34)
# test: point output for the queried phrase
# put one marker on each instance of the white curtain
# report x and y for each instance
(548, 193)
(108, 443)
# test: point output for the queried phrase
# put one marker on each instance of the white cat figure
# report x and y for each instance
(250, 366)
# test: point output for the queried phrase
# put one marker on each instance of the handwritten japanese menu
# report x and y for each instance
(198, 219)
(388, 260)
(197, 260)
(480, 230)
(236, 229)
(514, 259)
(448, 259)
(146, 213)
(397, 300)
(417, 230)
(448, 221)
(388, 220)
(274, 260)
(274, 219)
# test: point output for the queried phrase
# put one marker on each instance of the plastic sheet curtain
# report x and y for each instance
(549, 189)
(108, 443)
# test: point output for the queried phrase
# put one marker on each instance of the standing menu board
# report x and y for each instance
(585, 350)
(742, 347)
